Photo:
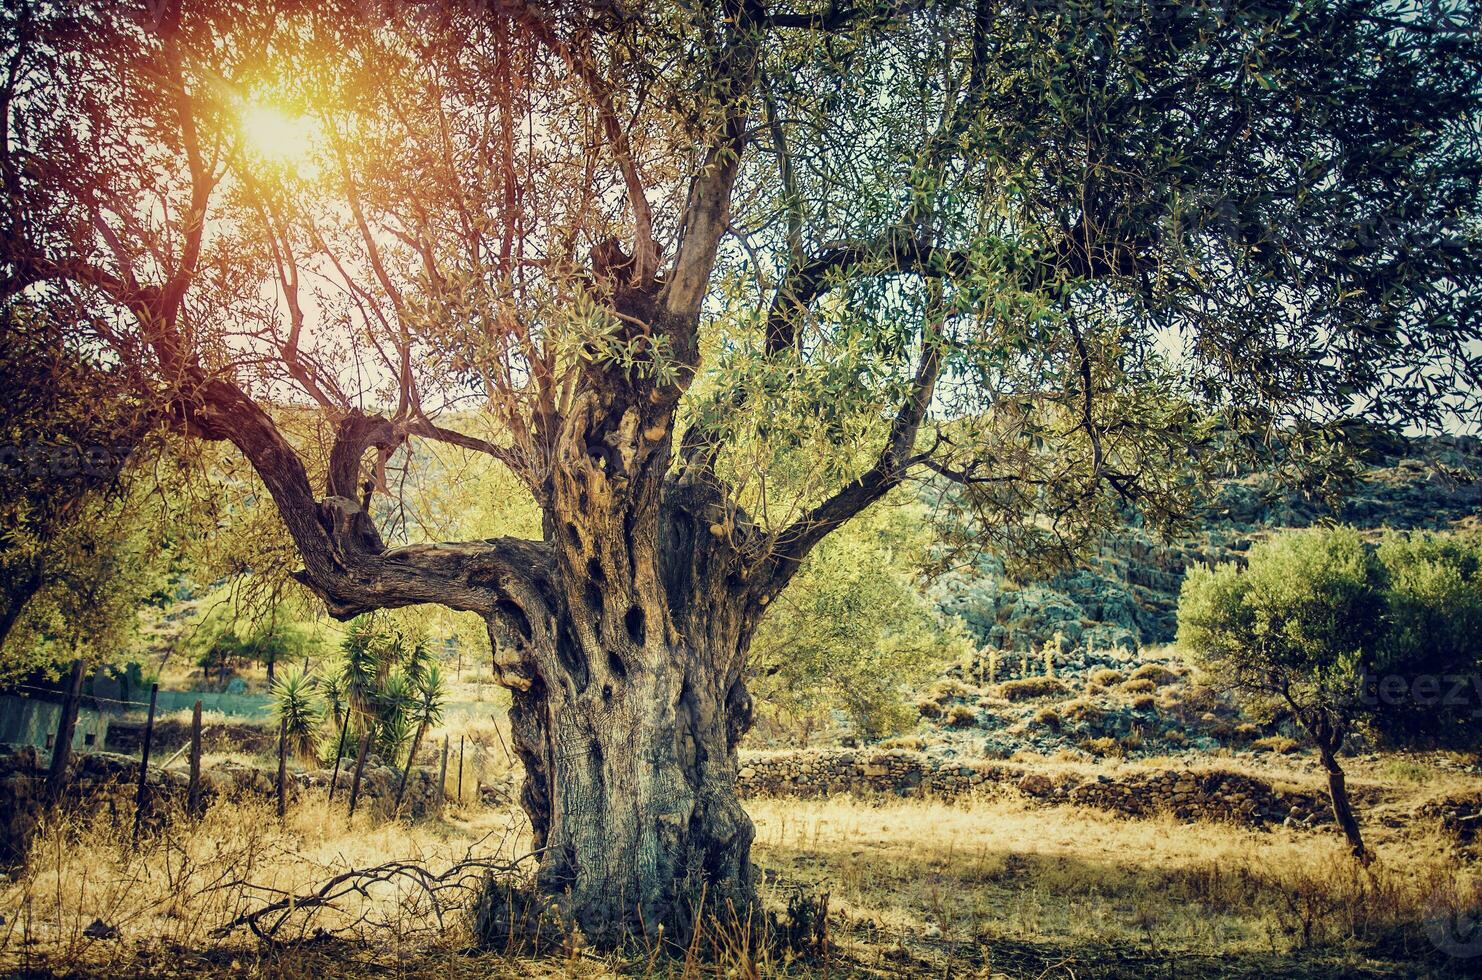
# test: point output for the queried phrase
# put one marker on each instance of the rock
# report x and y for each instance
(99, 929)
(1036, 784)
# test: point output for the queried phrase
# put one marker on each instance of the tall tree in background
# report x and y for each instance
(709, 279)
(66, 432)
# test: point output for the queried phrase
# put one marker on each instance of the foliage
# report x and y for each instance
(1293, 631)
(227, 635)
(1337, 633)
(102, 567)
(1433, 619)
(66, 432)
(853, 635)
(299, 708)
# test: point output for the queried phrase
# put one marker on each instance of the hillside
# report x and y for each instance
(1080, 664)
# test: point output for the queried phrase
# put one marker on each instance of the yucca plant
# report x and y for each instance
(417, 663)
(426, 711)
(362, 670)
(332, 690)
(300, 712)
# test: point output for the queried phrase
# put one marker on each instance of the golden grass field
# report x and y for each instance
(989, 886)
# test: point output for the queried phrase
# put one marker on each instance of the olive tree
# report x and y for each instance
(1293, 632)
(1340, 635)
(709, 279)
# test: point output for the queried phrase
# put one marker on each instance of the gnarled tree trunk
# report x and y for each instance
(629, 699)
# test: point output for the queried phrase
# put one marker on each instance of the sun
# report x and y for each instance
(278, 137)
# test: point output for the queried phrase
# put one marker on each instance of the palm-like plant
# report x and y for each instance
(332, 688)
(394, 726)
(362, 671)
(299, 712)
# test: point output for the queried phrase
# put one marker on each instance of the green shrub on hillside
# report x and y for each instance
(1032, 687)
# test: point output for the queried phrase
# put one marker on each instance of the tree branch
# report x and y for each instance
(890, 468)
(896, 252)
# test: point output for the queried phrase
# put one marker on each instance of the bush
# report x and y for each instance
(1103, 747)
(1140, 686)
(949, 689)
(961, 716)
(1032, 687)
(1156, 673)
(1083, 711)
(1280, 744)
(1048, 718)
(1144, 702)
(1106, 677)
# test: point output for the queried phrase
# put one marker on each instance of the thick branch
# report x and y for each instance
(345, 562)
(707, 212)
(895, 459)
(897, 252)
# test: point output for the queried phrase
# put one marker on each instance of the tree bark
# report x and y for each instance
(628, 704)
(1342, 810)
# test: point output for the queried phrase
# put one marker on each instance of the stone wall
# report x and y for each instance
(1459, 816)
(1212, 794)
(105, 783)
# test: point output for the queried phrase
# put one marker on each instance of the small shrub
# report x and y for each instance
(948, 689)
(1140, 685)
(1100, 747)
(1081, 710)
(1048, 717)
(1156, 673)
(1106, 677)
(1144, 702)
(929, 708)
(1279, 744)
(961, 716)
(911, 743)
(1247, 731)
(1032, 687)
(1175, 736)
(1406, 771)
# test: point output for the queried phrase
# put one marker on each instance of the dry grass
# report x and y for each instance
(1000, 869)
(921, 887)
(175, 888)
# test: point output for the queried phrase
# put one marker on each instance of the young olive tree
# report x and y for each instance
(1293, 633)
(708, 279)
(1340, 636)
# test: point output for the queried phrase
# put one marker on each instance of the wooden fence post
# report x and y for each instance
(359, 768)
(282, 766)
(154, 693)
(460, 769)
(61, 746)
(339, 750)
(442, 776)
(193, 794)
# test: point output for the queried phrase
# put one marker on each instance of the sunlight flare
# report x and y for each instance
(278, 137)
